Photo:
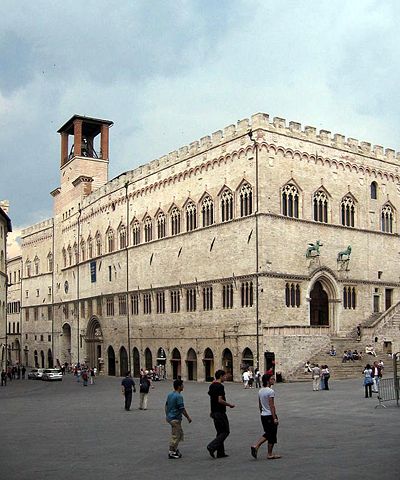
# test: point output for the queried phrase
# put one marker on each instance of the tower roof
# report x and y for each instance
(91, 126)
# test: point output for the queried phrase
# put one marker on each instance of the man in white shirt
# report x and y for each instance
(269, 419)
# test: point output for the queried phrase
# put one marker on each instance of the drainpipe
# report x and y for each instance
(127, 275)
(257, 253)
(77, 281)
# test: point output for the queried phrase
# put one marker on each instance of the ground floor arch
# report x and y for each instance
(42, 360)
(94, 344)
(176, 363)
(247, 359)
(323, 296)
(191, 364)
(65, 344)
(50, 362)
(227, 363)
(136, 362)
(208, 362)
(111, 360)
(148, 359)
(123, 362)
(35, 359)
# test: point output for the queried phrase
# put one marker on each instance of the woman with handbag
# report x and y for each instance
(368, 380)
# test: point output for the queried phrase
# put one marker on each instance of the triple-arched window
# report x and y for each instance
(320, 204)
(148, 229)
(110, 240)
(136, 232)
(191, 217)
(347, 210)
(226, 205)
(246, 200)
(207, 211)
(161, 227)
(387, 219)
(175, 221)
(290, 201)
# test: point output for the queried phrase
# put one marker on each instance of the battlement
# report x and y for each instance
(38, 227)
(257, 121)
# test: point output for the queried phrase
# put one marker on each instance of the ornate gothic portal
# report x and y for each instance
(319, 306)
(94, 344)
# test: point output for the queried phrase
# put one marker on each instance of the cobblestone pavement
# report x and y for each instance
(66, 431)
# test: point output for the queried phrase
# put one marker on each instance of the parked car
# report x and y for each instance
(52, 374)
(36, 373)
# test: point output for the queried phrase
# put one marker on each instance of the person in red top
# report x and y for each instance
(218, 406)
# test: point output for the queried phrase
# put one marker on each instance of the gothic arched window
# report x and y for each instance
(161, 231)
(207, 211)
(136, 232)
(148, 230)
(320, 202)
(175, 221)
(226, 205)
(387, 219)
(347, 209)
(290, 201)
(191, 217)
(110, 240)
(98, 244)
(122, 237)
(246, 200)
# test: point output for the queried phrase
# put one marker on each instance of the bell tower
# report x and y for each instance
(84, 159)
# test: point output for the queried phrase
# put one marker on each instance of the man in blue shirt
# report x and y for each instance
(127, 386)
(174, 409)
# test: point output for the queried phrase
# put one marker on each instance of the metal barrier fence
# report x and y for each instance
(388, 388)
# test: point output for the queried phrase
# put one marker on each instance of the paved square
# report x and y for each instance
(67, 431)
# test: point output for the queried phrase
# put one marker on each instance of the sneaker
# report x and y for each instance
(254, 452)
(174, 455)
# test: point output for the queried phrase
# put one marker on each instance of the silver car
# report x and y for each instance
(50, 374)
(36, 373)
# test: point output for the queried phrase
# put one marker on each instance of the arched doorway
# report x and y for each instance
(148, 359)
(111, 361)
(208, 362)
(191, 363)
(247, 359)
(17, 351)
(65, 353)
(42, 358)
(176, 363)
(49, 358)
(161, 362)
(36, 359)
(227, 363)
(94, 344)
(136, 362)
(123, 362)
(319, 306)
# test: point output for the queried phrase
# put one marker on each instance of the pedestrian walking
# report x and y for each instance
(257, 378)
(316, 374)
(92, 376)
(269, 418)
(174, 409)
(368, 381)
(128, 385)
(218, 406)
(376, 376)
(3, 378)
(144, 388)
(85, 377)
(23, 371)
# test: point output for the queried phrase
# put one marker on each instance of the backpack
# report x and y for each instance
(144, 385)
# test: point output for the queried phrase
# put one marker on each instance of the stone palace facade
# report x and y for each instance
(258, 244)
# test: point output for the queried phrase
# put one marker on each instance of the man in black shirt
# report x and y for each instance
(127, 385)
(218, 414)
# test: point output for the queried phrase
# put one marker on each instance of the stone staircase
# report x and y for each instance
(339, 370)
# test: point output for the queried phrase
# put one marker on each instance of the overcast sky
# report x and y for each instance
(168, 73)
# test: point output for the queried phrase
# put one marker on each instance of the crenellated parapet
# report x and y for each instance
(38, 227)
(257, 122)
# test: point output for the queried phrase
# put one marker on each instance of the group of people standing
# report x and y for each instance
(15, 372)
(175, 410)
(372, 375)
(320, 376)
